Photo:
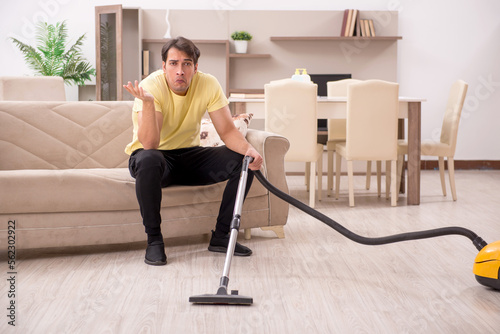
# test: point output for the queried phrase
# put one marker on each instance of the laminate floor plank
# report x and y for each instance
(312, 281)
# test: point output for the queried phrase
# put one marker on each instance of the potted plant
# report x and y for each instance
(241, 39)
(50, 57)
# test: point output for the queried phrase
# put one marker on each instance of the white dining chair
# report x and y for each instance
(32, 88)
(290, 111)
(447, 143)
(372, 131)
(336, 134)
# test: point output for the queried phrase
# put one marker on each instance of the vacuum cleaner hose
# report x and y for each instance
(478, 242)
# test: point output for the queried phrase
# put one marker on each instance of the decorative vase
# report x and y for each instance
(72, 92)
(240, 46)
(167, 33)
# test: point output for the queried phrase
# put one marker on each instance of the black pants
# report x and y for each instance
(156, 169)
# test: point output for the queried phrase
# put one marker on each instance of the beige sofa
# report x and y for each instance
(64, 179)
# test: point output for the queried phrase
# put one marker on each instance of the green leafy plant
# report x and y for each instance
(50, 58)
(241, 36)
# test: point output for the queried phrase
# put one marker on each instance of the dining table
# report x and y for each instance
(335, 108)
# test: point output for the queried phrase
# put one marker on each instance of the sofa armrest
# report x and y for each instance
(273, 148)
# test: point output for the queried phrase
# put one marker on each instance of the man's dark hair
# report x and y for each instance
(182, 44)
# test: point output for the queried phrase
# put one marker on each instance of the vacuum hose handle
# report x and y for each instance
(247, 160)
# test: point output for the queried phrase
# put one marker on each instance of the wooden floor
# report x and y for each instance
(313, 281)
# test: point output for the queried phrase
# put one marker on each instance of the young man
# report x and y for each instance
(168, 108)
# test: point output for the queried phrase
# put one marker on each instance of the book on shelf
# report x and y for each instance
(367, 27)
(145, 62)
(355, 13)
(247, 95)
(358, 31)
(353, 25)
(344, 22)
(372, 28)
(348, 24)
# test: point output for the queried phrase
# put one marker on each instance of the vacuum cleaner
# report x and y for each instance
(486, 265)
(222, 297)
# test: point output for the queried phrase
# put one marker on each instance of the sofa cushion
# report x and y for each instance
(209, 136)
(74, 190)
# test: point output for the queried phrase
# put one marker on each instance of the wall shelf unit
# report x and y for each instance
(332, 38)
(228, 56)
(196, 41)
(118, 33)
(208, 42)
(247, 90)
(249, 55)
(278, 47)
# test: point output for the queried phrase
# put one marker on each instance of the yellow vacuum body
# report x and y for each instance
(487, 265)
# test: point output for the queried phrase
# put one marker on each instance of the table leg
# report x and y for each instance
(401, 135)
(414, 130)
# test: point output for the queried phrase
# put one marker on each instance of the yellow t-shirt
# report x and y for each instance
(181, 114)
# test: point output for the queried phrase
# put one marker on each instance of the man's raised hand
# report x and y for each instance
(138, 92)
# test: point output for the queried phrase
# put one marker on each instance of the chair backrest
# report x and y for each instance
(339, 87)
(290, 111)
(372, 120)
(37, 88)
(337, 127)
(451, 120)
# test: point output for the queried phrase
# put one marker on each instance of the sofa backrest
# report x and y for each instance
(64, 135)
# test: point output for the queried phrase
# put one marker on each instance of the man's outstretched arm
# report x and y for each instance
(233, 139)
(149, 120)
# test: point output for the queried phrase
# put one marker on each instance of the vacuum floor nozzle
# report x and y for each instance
(222, 298)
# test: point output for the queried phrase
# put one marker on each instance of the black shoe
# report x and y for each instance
(219, 245)
(155, 254)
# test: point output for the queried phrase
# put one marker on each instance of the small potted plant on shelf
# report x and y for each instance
(241, 39)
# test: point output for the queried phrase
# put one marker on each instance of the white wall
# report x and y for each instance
(442, 41)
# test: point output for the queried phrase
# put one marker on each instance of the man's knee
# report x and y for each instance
(149, 158)
(145, 159)
(231, 167)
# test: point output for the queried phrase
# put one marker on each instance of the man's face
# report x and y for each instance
(179, 70)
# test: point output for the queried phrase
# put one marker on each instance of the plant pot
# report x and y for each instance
(240, 46)
(71, 92)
